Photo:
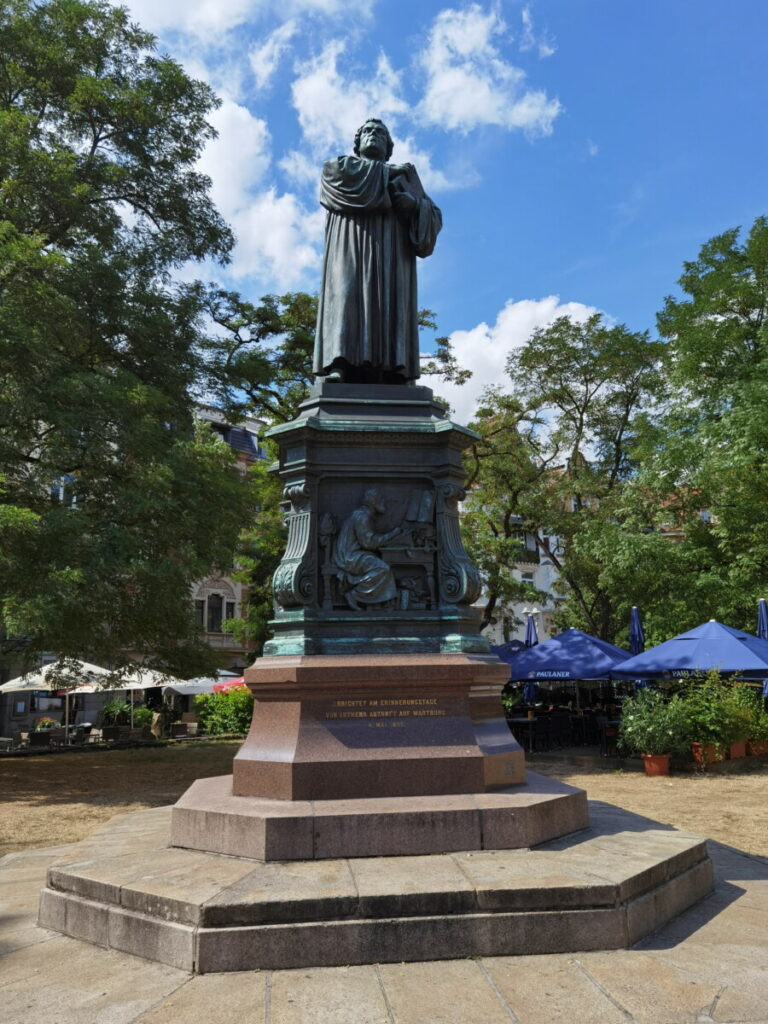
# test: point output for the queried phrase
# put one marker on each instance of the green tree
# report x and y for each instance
(708, 473)
(112, 501)
(555, 458)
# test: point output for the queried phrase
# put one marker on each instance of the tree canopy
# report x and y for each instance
(639, 465)
(111, 500)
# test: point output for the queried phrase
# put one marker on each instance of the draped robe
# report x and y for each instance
(367, 314)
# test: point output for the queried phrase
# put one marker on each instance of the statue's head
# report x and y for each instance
(374, 499)
(373, 140)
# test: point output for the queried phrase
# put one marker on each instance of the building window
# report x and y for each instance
(527, 577)
(215, 604)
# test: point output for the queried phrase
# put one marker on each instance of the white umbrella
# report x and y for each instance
(45, 678)
(54, 677)
(191, 687)
(139, 679)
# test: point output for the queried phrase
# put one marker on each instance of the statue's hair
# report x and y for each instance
(370, 495)
(358, 133)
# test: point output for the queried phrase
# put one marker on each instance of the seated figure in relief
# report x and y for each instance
(365, 577)
(379, 220)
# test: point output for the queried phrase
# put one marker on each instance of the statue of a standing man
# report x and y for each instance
(379, 221)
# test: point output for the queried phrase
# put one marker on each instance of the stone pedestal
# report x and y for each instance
(355, 727)
(347, 440)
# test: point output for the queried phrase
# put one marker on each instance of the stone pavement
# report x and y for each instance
(708, 965)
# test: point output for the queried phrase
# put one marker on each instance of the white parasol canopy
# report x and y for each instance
(47, 678)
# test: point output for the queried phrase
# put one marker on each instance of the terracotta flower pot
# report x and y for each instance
(737, 749)
(656, 764)
(706, 753)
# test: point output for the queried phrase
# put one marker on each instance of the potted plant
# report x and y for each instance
(758, 741)
(653, 727)
(114, 714)
(739, 713)
(45, 723)
(706, 718)
(743, 713)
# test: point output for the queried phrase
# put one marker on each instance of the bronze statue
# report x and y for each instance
(379, 220)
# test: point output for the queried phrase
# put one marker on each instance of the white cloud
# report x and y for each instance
(484, 349)
(299, 169)
(208, 18)
(238, 160)
(470, 84)
(278, 242)
(265, 59)
(331, 106)
(530, 41)
(197, 17)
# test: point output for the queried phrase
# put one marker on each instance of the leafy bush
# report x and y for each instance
(142, 715)
(116, 712)
(651, 724)
(230, 711)
(719, 711)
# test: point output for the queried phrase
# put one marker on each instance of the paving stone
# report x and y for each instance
(177, 893)
(511, 880)
(545, 989)
(341, 995)
(214, 999)
(399, 886)
(456, 991)
(736, 1006)
(280, 892)
(651, 990)
(69, 982)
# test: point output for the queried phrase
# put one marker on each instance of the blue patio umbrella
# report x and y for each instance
(507, 650)
(531, 636)
(709, 646)
(636, 632)
(762, 631)
(569, 655)
(637, 641)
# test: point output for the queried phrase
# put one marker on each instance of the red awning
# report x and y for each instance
(228, 684)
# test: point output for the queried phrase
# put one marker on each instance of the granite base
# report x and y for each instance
(605, 887)
(210, 817)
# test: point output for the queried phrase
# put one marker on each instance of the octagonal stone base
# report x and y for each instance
(605, 887)
(209, 817)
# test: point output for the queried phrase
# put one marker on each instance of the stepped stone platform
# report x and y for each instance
(603, 887)
(211, 818)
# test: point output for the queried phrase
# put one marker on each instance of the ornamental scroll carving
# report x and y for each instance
(293, 584)
(459, 579)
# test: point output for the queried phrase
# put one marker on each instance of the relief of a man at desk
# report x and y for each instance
(363, 558)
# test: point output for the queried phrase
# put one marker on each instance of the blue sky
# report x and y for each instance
(580, 150)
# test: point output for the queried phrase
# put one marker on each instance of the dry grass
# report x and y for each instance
(731, 808)
(60, 798)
